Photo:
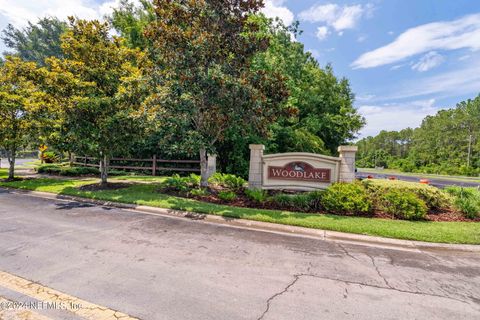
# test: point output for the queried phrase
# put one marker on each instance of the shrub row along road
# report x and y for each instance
(155, 267)
(437, 182)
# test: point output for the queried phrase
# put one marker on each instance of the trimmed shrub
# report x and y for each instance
(257, 195)
(433, 197)
(347, 198)
(228, 181)
(466, 200)
(63, 170)
(78, 171)
(227, 195)
(49, 169)
(404, 205)
(307, 201)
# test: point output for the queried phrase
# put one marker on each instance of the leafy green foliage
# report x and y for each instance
(95, 87)
(300, 201)
(130, 21)
(198, 192)
(228, 181)
(227, 195)
(467, 200)
(347, 198)
(433, 197)
(404, 205)
(23, 106)
(50, 157)
(37, 41)
(181, 184)
(203, 83)
(257, 195)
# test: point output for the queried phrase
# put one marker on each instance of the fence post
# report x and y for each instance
(85, 161)
(211, 164)
(154, 165)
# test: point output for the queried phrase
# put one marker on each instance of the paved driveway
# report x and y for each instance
(154, 267)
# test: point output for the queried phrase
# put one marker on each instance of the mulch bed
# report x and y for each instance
(242, 201)
(104, 187)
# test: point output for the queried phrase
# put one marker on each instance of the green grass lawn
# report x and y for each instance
(146, 194)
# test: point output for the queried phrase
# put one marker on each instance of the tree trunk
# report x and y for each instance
(104, 170)
(70, 158)
(11, 161)
(203, 168)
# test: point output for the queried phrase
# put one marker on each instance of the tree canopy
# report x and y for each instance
(37, 41)
(184, 78)
(427, 148)
(99, 116)
(22, 105)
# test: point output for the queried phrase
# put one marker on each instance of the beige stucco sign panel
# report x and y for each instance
(299, 171)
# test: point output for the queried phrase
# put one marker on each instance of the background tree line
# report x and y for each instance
(181, 79)
(446, 143)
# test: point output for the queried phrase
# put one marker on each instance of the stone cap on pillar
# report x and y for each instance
(256, 147)
(347, 149)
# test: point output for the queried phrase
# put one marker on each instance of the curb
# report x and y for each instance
(325, 235)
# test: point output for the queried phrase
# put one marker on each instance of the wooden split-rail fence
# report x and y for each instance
(154, 165)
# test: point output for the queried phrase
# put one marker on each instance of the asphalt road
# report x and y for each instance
(18, 162)
(155, 267)
(439, 183)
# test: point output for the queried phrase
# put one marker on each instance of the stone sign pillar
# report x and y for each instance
(211, 164)
(347, 164)
(256, 165)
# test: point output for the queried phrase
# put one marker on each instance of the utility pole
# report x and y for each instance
(469, 150)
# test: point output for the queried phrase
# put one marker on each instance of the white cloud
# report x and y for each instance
(461, 81)
(322, 33)
(337, 17)
(445, 35)
(397, 66)
(365, 97)
(395, 116)
(428, 61)
(277, 9)
(362, 38)
(18, 12)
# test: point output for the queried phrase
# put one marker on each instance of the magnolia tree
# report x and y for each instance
(201, 75)
(23, 106)
(95, 86)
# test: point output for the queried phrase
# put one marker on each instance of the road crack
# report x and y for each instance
(347, 253)
(269, 300)
(379, 273)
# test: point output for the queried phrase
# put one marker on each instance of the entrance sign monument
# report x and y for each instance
(300, 171)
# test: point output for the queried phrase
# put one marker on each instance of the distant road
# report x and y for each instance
(434, 181)
(18, 162)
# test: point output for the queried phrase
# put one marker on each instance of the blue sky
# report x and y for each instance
(405, 59)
